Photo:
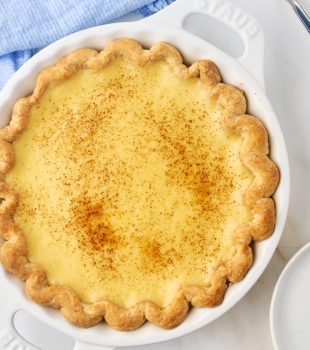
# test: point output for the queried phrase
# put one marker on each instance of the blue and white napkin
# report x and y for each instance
(28, 26)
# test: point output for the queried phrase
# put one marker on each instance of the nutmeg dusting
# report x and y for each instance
(128, 176)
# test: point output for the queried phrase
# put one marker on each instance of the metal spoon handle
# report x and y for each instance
(301, 14)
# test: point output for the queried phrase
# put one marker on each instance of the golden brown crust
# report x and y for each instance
(254, 154)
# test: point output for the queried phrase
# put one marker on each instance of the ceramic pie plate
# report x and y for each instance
(290, 306)
(246, 72)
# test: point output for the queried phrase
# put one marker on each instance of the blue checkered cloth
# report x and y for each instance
(28, 26)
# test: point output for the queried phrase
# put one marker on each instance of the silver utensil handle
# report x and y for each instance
(301, 14)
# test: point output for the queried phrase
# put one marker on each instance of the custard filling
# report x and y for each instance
(129, 186)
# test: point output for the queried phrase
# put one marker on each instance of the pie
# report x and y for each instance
(132, 186)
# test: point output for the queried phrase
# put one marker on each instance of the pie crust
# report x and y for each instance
(253, 154)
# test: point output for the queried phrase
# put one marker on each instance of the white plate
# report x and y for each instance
(290, 304)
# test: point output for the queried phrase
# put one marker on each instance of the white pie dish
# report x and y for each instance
(148, 32)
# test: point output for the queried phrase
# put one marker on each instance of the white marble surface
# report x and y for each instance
(287, 75)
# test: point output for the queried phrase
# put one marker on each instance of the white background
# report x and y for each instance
(287, 77)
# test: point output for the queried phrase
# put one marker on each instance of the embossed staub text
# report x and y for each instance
(9, 341)
(231, 15)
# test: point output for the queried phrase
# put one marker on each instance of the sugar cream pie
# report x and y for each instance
(132, 186)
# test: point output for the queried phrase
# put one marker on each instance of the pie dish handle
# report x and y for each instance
(11, 339)
(234, 17)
